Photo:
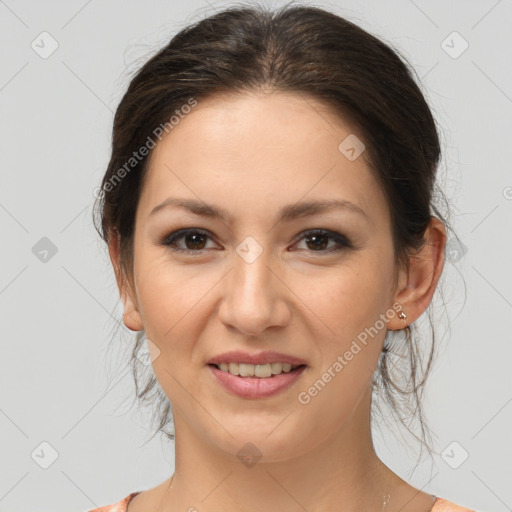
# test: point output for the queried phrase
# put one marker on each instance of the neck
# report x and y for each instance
(341, 472)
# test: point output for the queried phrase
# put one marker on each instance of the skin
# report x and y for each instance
(251, 154)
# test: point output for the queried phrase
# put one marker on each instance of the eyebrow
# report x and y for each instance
(287, 213)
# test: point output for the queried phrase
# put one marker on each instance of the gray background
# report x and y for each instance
(62, 384)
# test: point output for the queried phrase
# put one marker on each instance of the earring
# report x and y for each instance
(402, 315)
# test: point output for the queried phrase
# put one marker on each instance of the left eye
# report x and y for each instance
(319, 239)
(195, 240)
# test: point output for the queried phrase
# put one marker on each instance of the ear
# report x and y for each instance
(131, 316)
(417, 286)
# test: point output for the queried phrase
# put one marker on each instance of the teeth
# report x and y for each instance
(262, 370)
(246, 370)
(256, 370)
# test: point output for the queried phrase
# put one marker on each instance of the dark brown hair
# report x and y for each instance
(306, 51)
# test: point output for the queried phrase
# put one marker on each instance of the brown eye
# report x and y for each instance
(318, 241)
(197, 241)
(189, 241)
(194, 240)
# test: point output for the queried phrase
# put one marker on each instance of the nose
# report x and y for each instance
(255, 296)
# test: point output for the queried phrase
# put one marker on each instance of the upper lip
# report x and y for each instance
(266, 357)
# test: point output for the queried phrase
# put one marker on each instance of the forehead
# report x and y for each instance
(252, 146)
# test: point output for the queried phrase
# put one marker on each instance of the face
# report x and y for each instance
(305, 284)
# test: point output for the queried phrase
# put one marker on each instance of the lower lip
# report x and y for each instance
(256, 387)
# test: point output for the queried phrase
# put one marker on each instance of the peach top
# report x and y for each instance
(440, 505)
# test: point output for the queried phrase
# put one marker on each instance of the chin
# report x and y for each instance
(261, 442)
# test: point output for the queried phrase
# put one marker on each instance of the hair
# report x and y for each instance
(302, 50)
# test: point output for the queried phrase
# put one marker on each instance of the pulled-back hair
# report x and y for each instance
(310, 52)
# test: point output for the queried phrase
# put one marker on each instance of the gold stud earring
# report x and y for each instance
(402, 315)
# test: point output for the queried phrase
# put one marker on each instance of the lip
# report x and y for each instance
(256, 387)
(268, 356)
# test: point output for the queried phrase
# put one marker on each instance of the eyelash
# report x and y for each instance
(170, 240)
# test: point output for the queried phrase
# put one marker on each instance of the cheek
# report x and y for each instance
(350, 305)
(350, 298)
(168, 293)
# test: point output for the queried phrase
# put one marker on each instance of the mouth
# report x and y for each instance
(262, 371)
(249, 382)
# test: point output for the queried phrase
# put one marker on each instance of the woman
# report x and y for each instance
(268, 209)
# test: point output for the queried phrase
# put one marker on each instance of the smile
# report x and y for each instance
(256, 370)
(253, 386)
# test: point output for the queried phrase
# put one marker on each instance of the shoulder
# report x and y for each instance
(120, 506)
(442, 505)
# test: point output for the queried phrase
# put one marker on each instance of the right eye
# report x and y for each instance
(192, 237)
